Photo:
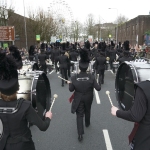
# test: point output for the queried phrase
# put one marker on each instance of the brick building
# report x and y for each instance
(134, 30)
(17, 21)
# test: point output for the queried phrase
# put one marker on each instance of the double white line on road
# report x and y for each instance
(107, 140)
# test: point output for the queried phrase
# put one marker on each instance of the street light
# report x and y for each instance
(117, 25)
(25, 27)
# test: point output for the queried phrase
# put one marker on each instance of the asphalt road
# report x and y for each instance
(106, 132)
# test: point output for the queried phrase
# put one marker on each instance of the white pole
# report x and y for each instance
(117, 29)
(25, 29)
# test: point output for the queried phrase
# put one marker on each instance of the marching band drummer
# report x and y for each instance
(15, 114)
(139, 113)
(83, 85)
(42, 57)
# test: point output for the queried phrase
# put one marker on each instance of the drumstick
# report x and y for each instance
(55, 96)
(107, 92)
(63, 79)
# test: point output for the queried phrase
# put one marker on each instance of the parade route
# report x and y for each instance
(106, 132)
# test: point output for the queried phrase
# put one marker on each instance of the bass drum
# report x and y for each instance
(35, 87)
(128, 74)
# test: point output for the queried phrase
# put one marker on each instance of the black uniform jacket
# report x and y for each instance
(42, 58)
(100, 63)
(15, 125)
(140, 112)
(83, 89)
(73, 56)
(112, 54)
(63, 61)
(55, 53)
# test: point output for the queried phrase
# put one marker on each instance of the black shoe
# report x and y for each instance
(62, 85)
(87, 125)
(80, 138)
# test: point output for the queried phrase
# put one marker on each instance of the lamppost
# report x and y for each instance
(117, 24)
(25, 27)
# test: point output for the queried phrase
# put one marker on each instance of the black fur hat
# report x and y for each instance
(8, 75)
(87, 45)
(16, 55)
(43, 46)
(112, 44)
(84, 61)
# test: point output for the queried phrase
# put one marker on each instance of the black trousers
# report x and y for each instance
(68, 70)
(84, 108)
(101, 76)
(64, 74)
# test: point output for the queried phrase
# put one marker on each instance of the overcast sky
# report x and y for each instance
(81, 8)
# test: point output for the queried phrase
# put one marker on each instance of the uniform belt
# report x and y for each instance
(84, 92)
(18, 139)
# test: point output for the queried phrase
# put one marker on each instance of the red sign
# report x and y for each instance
(7, 33)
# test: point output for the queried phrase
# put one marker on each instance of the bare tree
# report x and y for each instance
(89, 25)
(42, 23)
(121, 19)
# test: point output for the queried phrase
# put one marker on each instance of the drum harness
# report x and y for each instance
(11, 110)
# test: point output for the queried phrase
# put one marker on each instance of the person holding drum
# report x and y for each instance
(83, 85)
(139, 113)
(16, 113)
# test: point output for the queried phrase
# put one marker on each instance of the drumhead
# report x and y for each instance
(127, 75)
(35, 87)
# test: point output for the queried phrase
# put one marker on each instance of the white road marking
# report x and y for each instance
(107, 140)
(97, 97)
(51, 72)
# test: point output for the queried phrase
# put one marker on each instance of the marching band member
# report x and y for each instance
(63, 64)
(83, 85)
(15, 114)
(126, 53)
(16, 55)
(42, 58)
(112, 54)
(100, 63)
(73, 57)
(31, 53)
(139, 113)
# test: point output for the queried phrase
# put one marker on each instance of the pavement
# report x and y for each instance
(106, 132)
